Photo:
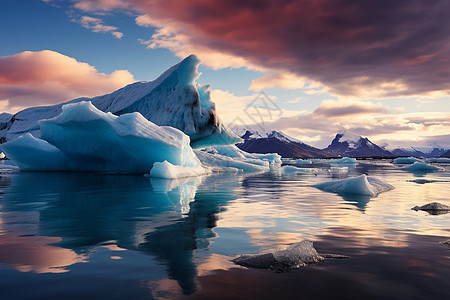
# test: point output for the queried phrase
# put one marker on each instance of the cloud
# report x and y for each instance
(93, 5)
(288, 81)
(96, 25)
(360, 48)
(320, 126)
(48, 77)
(344, 108)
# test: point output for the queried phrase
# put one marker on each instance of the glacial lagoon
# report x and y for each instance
(68, 235)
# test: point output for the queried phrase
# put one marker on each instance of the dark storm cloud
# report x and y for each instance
(397, 47)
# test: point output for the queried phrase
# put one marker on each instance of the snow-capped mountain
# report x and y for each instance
(278, 142)
(173, 99)
(446, 154)
(423, 152)
(408, 152)
(352, 145)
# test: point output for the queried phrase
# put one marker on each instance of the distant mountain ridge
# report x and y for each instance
(278, 142)
(446, 154)
(352, 145)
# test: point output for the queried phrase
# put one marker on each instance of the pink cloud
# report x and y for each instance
(96, 25)
(48, 77)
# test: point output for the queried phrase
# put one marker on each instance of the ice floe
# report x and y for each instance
(406, 160)
(362, 185)
(420, 166)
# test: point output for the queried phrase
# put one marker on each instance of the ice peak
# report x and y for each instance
(183, 73)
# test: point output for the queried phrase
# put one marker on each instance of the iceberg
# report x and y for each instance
(420, 166)
(344, 160)
(405, 160)
(83, 138)
(362, 185)
(173, 99)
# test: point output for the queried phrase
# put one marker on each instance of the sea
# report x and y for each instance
(115, 236)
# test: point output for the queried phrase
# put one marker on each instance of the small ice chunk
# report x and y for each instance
(362, 185)
(225, 158)
(433, 208)
(295, 170)
(295, 256)
(442, 160)
(169, 171)
(420, 166)
(302, 162)
(405, 160)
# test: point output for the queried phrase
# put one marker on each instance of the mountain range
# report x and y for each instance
(344, 144)
(278, 142)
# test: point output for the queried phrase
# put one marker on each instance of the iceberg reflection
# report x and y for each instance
(83, 211)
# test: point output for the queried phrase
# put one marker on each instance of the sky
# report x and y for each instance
(377, 68)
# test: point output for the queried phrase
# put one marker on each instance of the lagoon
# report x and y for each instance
(85, 235)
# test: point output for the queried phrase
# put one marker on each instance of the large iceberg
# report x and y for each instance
(83, 138)
(173, 99)
(362, 185)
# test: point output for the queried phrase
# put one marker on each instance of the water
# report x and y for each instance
(71, 236)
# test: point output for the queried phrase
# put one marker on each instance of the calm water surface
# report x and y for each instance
(72, 236)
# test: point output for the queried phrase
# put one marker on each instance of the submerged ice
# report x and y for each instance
(362, 185)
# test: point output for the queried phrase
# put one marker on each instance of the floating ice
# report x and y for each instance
(362, 185)
(434, 208)
(406, 160)
(231, 158)
(222, 163)
(294, 256)
(302, 162)
(441, 160)
(83, 138)
(344, 160)
(282, 260)
(295, 170)
(420, 166)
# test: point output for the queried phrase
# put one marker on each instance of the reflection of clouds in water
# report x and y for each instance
(35, 254)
